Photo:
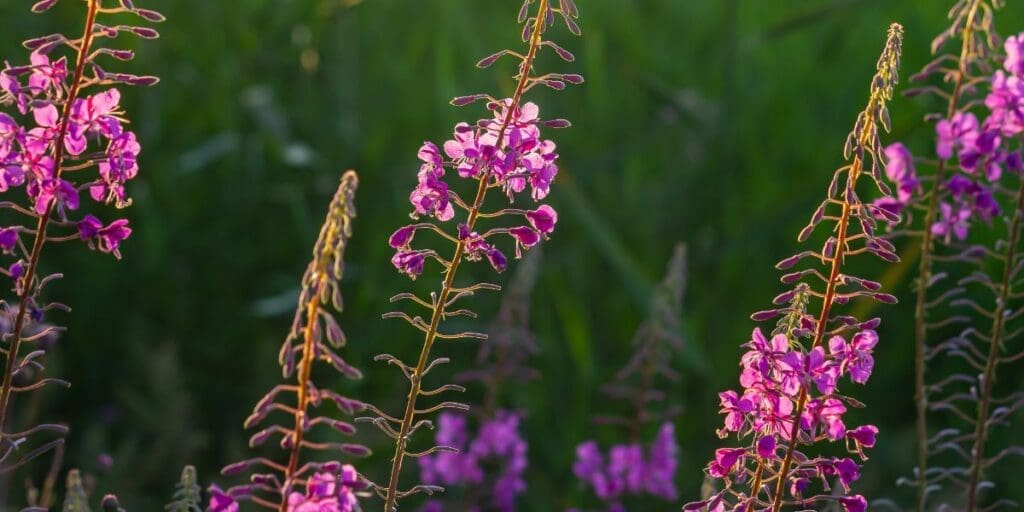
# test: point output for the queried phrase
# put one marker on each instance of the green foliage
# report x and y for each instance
(711, 122)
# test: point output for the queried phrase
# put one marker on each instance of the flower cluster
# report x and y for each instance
(629, 470)
(503, 151)
(63, 131)
(512, 159)
(332, 489)
(774, 371)
(643, 382)
(790, 400)
(979, 150)
(496, 444)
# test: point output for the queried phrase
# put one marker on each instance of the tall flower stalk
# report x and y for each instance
(506, 153)
(947, 208)
(977, 145)
(630, 469)
(790, 401)
(59, 139)
(985, 154)
(315, 336)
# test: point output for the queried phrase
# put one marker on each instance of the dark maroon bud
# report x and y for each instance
(557, 85)
(150, 15)
(762, 316)
(557, 123)
(885, 298)
(127, 4)
(145, 32)
(790, 261)
(524, 11)
(783, 297)
(259, 438)
(569, 8)
(234, 469)
(356, 450)
(486, 62)
(462, 101)
(38, 42)
(573, 27)
(344, 428)
(43, 5)
(564, 54)
(123, 54)
(573, 79)
(870, 324)
(805, 233)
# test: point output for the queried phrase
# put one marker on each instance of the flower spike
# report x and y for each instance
(64, 132)
(791, 377)
(503, 152)
(315, 336)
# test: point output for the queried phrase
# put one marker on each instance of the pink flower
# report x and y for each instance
(726, 460)
(543, 219)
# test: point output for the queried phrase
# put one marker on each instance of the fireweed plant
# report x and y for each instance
(978, 151)
(790, 401)
(63, 135)
(957, 194)
(487, 473)
(295, 485)
(630, 469)
(188, 496)
(505, 152)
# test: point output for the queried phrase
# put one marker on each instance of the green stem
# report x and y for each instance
(924, 278)
(391, 500)
(998, 327)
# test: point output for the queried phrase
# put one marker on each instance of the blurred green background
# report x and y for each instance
(716, 122)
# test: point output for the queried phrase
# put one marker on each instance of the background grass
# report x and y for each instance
(717, 123)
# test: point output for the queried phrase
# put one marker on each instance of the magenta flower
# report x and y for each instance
(1006, 103)
(498, 444)
(735, 410)
(1014, 63)
(47, 77)
(327, 492)
(410, 263)
(543, 219)
(220, 501)
(952, 222)
(955, 134)
(96, 114)
(726, 461)
(106, 238)
(854, 503)
(856, 356)
(8, 240)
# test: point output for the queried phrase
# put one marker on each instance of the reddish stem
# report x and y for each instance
(44, 220)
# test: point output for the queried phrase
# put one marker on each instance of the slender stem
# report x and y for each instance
(390, 503)
(302, 402)
(925, 275)
(998, 326)
(44, 220)
(826, 308)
